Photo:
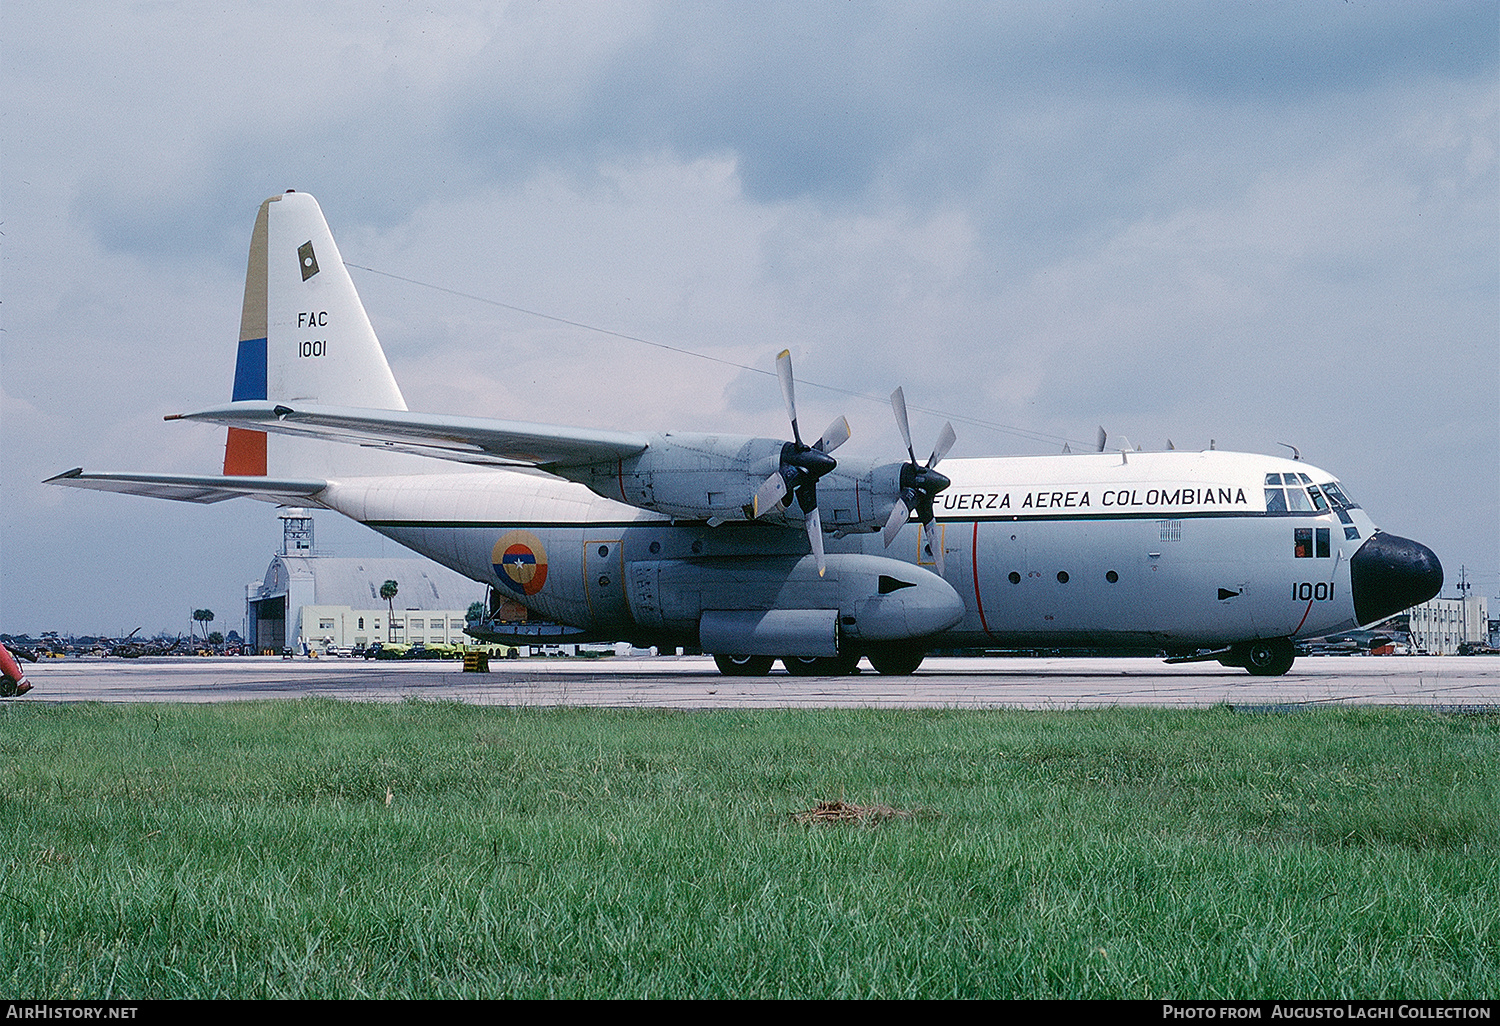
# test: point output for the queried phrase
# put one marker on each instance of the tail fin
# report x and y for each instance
(304, 335)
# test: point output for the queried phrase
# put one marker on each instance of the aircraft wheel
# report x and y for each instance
(7, 688)
(841, 665)
(1269, 658)
(743, 666)
(844, 664)
(896, 660)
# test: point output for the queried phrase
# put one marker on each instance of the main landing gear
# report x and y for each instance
(743, 666)
(893, 659)
(841, 665)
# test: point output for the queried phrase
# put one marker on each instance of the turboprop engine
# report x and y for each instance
(718, 478)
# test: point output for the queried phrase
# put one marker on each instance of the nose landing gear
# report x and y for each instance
(1268, 657)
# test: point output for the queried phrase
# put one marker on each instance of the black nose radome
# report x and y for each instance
(1390, 574)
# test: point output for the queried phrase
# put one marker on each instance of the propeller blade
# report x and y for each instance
(815, 538)
(836, 435)
(899, 516)
(800, 464)
(930, 537)
(944, 443)
(769, 494)
(918, 483)
(1099, 445)
(784, 372)
(898, 404)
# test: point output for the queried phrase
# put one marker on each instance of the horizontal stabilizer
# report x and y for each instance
(202, 488)
(532, 633)
(476, 440)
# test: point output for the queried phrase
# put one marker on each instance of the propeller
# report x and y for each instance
(801, 465)
(920, 483)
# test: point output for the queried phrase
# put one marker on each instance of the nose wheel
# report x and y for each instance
(1266, 658)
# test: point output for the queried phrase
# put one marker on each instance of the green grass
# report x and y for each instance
(248, 850)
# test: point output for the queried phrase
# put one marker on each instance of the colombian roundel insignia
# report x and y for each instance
(520, 562)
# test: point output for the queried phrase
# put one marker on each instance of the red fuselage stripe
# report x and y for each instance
(1305, 614)
(978, 602)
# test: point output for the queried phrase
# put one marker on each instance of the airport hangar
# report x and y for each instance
(314, 602)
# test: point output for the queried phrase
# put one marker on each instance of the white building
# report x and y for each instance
(316, 602)
(1440, 625)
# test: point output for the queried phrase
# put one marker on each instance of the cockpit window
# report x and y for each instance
(1296, 493)
(1337, 497)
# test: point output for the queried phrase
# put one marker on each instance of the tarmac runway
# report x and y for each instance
(691, 682)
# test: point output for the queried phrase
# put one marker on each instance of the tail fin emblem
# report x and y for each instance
(307, 260)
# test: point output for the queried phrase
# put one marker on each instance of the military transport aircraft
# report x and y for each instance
(755, 549)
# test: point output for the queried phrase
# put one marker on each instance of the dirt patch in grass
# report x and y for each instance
(840, 811)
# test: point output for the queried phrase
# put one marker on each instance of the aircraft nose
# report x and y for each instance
(1390, 574)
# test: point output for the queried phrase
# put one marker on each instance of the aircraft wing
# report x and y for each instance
(197, 488)
(462, 439)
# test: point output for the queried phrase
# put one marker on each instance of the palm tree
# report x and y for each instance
(205, 617)
(388, 592)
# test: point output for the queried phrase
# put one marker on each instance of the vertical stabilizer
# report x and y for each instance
(304, 335)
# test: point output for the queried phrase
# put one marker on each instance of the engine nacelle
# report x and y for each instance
(715, 477)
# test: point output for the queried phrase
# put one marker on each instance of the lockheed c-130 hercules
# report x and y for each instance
(755, 549)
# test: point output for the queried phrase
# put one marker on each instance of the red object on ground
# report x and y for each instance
(12, 671)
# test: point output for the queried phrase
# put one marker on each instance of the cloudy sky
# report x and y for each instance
(1254, 223)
